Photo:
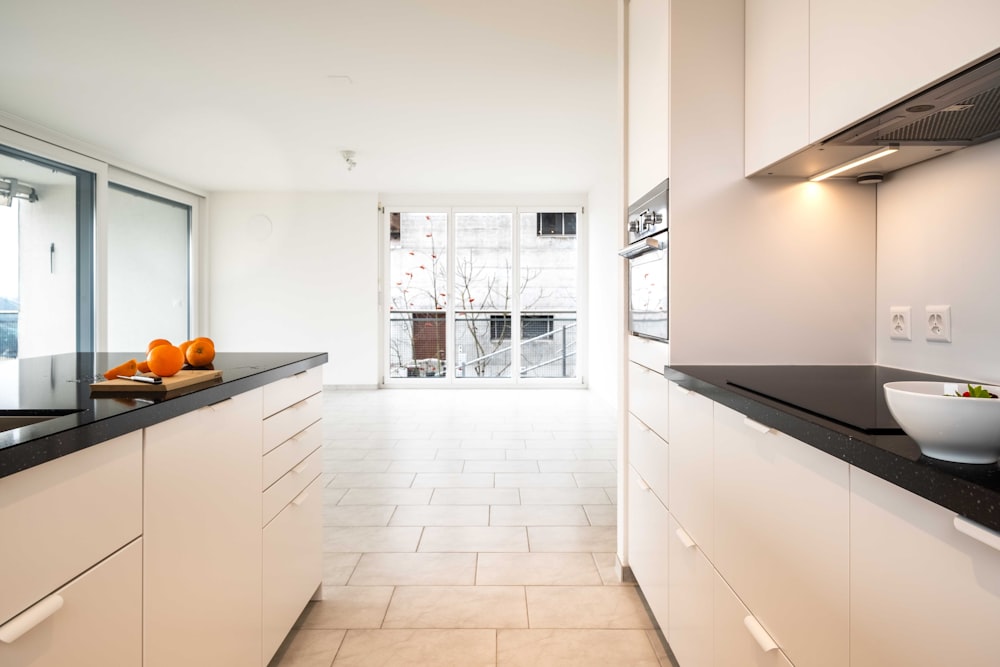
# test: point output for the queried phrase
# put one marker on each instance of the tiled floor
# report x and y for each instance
(470, 527)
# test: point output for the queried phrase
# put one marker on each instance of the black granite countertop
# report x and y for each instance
(841, 410)
(59, 386)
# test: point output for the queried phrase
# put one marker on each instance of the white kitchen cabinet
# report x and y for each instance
(782, 536)
(202, 536)
(649, 454)
(653, 354)
(777, 81)
(740, 639)
(648, 399)
(691, 486)
(648, 531)
(690, 592)
(62, 517)
(923, 594)
(866, 55)
(648, 86)
(95, 620)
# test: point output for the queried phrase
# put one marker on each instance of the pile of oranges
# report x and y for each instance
(165, 359)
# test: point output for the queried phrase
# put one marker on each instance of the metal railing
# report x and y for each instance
(8, 334)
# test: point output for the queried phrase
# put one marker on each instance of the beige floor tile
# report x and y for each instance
(564, 539)
(371, 480)
(441, 515)
(365, 539)
(564, 496)
(612, 494)
(522, 480)
(609, 607)
(589, 453)
(602, 515)
(607, 565)
(602, 479)
(426, 466)
(659, 648)
(475, 497)
(412, 648)
(358, 515)
(415, 569)
(333, 453)
(472, 454)
(457, 607)
(401, 454)
(345, 607)
(386, 497)
(538, 515)
(534, 453)
(501, 466)
(472, 480)
(352, 465)
(542, 569)
(480, 442)
(592, 465)
(308, 648)
(338, 567)
(574, 648)
(473, 539)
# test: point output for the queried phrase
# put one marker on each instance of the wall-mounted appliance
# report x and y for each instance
(649, 262)
(961, 111)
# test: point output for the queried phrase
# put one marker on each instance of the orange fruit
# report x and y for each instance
(201, 352)
(184, 346)
(143, 366)
(156, 342)
(165, 360)
(128, 368)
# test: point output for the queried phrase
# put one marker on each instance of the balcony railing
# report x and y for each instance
(8, 334)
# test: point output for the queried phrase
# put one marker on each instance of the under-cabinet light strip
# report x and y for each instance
(854, 163)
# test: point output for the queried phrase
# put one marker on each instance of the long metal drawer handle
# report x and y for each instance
(757, 426)
(990, 538)
(684, 538)
(759, 634)
(301, 498)
(29, 618)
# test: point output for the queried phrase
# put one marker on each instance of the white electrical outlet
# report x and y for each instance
(899, 323)
(938, 319)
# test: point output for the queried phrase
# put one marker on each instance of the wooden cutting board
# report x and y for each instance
(183, 378)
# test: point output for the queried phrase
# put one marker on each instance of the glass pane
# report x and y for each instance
(148, 257)
(417, 344)
(482, 344)
(548, 267)
(38, 260)
(483, 260)
(548, 345)
(418, 253)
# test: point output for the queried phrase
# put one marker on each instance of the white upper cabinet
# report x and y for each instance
(777, 80)
(866, 55)
(648, 67)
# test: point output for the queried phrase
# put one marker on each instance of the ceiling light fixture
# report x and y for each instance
(10, 189)
(349, 159)
(880, 153)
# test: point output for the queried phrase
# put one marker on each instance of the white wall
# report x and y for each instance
(310, 283)
(604, 302)
(762, 271)
(939, 244)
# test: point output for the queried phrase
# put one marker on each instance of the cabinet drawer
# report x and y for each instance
(291, 484)
(647, 452)
(652, 354)
(293, 564)
(279, 395)
(290, 453)
(99, 623)
(690, 581)
(59, 518)
(648, 398)
(691, 440)
(297, 417)
(648, 528)
(740, 639)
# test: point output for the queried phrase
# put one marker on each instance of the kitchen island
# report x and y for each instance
(182, 528)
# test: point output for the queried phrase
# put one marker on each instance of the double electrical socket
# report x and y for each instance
(937, 323)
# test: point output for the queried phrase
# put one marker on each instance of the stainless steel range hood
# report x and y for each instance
(961, 111)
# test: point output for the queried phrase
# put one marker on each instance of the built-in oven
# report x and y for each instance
(648, 255)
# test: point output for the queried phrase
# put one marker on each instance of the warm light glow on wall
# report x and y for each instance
(854, 163)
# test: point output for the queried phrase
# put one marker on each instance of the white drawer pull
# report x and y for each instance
(29, 618)
(300, 468)
(990, 538)
(683, 390)
(301, 498)
(643, 484)
(759, 634)
(757, 426)
(684, 538)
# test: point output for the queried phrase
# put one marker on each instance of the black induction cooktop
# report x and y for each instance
(849, 395)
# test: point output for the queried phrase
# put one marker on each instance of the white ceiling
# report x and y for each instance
(432, 95)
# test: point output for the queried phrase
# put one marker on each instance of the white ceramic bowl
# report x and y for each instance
(945, 426)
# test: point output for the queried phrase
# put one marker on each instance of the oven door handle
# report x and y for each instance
(640, 248)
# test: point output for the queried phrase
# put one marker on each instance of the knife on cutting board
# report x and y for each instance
(142, 378)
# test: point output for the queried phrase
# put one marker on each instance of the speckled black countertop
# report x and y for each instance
(841, 411)
(60, 385)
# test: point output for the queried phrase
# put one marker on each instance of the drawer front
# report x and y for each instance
(290, 453)
(293, 565)
(279, 395)
(740, 639)
(648, 399)
(691, 580)
(99, 623)
(291, 485)
(652, 354)
(648, 529)
(60, 518)
(692, 485)
(647, 452)
(293, 419)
